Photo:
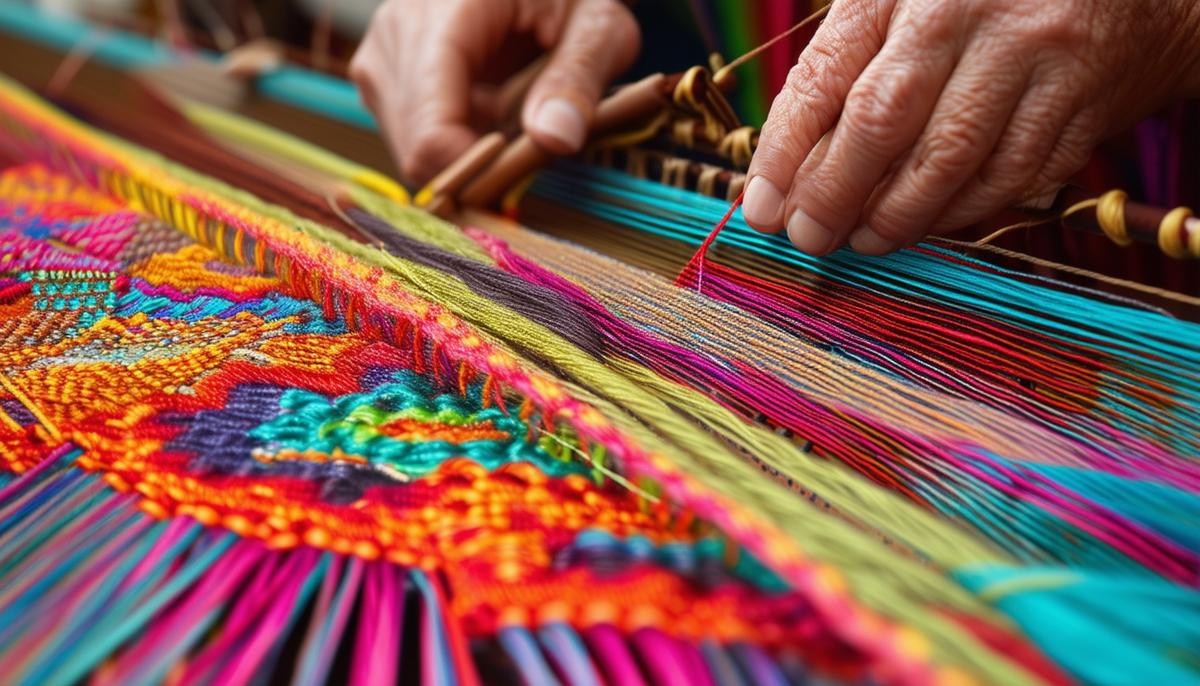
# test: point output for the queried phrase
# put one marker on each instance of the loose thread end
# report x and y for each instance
(696, 264)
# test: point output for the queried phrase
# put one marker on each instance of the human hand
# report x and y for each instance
(967, 107)
(424, 67)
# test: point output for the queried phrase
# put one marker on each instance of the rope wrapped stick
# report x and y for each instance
(1175, 231)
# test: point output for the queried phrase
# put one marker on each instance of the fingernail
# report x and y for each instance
(560, 119)
(763, 205)
(808, 235)
(864, 240)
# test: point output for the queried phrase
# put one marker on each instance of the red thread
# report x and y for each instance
(418, 351)
(464, 377)
(485, 394)
(498, 397)
(435, 369)
(697, 262)
(400, 332)
(12, 291)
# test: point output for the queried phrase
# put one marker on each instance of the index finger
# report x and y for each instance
(810, 103)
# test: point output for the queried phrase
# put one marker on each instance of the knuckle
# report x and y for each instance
(793, 124)
(1002, 176)
(1057, 24)
(930, 25)
(1069, 159)
(818, 70)
(580, 62)
(1082, 132)
(871, 107)
(1016, 160)
(1070, 153)
(815, 59)
(940, 22)
(803, 81)
(949, 152)
(865, 21)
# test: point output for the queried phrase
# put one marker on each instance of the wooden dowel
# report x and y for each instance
(454, 177)
(523, 156)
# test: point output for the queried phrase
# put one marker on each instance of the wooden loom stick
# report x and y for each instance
(1125, 221)
(523, 156)
(437, 196)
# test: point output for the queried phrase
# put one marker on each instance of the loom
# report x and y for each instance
(267, 417)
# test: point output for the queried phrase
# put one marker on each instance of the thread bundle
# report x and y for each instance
(490, 453)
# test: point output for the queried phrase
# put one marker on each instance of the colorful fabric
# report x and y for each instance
(207, 390)
(239, 445)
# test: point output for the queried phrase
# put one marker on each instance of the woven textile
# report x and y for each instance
(239, 445)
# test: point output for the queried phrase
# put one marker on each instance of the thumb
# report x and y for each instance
(599, 41)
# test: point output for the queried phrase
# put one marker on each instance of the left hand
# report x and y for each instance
(424, 69)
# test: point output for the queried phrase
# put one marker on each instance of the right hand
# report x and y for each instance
(424, 65)
(909, 117)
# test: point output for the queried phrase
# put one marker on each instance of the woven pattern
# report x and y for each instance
(211, 394)
(491, 455)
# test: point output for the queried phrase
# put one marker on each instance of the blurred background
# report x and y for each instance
(324, 33)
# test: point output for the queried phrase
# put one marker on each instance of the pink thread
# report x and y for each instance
(212, 591)
(31, 477)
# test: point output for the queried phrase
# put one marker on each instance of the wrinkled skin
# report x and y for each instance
(900, 119)
(428, 69)
(909, 117)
